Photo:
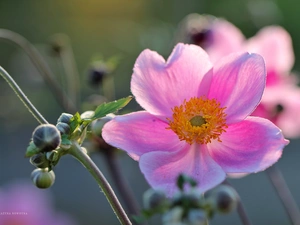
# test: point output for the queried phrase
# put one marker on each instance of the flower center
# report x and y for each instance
(198, 120)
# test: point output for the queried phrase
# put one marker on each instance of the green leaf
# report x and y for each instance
(31, 150)
(182, 179)
(111, 107)
(65, 140)
(75, 121)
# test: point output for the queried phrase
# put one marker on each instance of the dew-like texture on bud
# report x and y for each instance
(46, 137)
(196, 217)
(65, 118)
(224, 199)
(39, 161)
(154, 199)
(64, 128)
(42, 178)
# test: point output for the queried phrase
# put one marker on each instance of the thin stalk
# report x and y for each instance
(101, 180)
(284, 194)
(41, 65)
(36, 114)
(240, 209)
(66, 56)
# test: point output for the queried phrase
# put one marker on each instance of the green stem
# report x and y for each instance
(101, 180)
(36, 114)
(41, 65)
(284, 194)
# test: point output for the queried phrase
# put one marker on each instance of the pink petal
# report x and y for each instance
(159, 86)
(238, 84)
(140, 132)
(161, 169)
(249, 146)
(275, 45)
(225, 39)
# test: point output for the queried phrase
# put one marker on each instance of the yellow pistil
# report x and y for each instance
(198, 120)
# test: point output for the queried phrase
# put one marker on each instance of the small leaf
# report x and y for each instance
(111, 107)
(65, 140)
(75, 121)
(31, 150)
(182, 179)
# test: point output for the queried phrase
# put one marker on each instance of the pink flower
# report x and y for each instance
(275, 45)
(196, 119)
(23, 204)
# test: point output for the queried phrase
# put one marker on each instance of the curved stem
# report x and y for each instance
(284, 194)
(41, 65)
(36, 114)
(99, 177)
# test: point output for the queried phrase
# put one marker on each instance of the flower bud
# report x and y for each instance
(65, 118)
(52, 156)
(39, 161)
(173, 216)
(42, 178)
(223, 199)
(97, 125)
(155, 199)
(64, 128)
(197, 217)
(97, 74)
(46, 137)
(87, 114)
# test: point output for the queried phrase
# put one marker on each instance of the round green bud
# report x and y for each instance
(46, 137)
(223, 199)
(65, 118)
(39, 161)
(197, 217)
(42, 178)
(154, 199)
(64, 128)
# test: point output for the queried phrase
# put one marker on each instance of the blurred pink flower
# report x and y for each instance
(23, 204)
(275, 45)
(196, 119)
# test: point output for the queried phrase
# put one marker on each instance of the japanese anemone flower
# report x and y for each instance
(196, 119)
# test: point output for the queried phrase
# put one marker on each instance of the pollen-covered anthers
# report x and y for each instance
(198, 120)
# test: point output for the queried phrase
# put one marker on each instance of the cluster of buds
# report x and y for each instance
(189, 206)
(46, 148)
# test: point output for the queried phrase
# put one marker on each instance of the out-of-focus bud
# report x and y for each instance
(39, 161)
(223, 199)
(197, 217)
(97, 73)
(46, 137)
(97, 125)
(155, 199)
(174, 216)
(195, 29)
(42, 178)
(64, 128)
(65, 118)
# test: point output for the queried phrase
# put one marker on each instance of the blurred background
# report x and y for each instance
(119, 28)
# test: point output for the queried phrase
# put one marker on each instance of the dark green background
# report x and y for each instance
(124, 28)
